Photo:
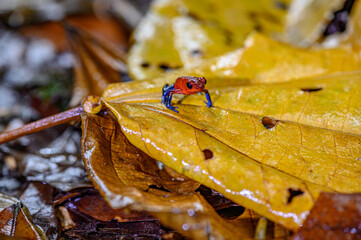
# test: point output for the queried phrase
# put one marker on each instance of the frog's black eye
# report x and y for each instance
(189, 86)
(205, 81)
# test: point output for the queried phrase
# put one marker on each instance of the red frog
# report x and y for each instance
(186, 85)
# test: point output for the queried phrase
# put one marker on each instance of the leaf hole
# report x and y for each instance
(258, 27)
(145, 65)
(269, 123)
(196, 53)
(281, 5)
(308, 90)
(208, 154)
(164, 67)
(293, 193)
(252, 15)
(228, 37)
(194, 16)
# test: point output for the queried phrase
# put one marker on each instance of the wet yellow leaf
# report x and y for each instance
(133, 167)
(124, 175)
(262, 60)
(271, 143)
(313, 146)
(178, 33)
(16, 222)
(150, 56)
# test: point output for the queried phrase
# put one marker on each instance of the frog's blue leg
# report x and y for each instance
(169, 100)
(208, 97)
(167, 96)
(165, 93)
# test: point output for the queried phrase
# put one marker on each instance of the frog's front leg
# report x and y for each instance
(208, 97)
(165, 93)
(168, 91)
(168, 101)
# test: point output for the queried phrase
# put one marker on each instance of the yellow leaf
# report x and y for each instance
(313, 146)
(195, 40)
(177, 33)
(262, 60)
(124, 174)
(155, 52)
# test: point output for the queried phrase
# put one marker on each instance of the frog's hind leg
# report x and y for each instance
(165, 93)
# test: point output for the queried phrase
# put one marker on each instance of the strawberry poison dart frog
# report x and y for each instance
(186, 85)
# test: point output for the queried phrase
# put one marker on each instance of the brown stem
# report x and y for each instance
(54, 120)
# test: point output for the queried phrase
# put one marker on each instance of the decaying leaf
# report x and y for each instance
(86, 215)
(277, 172)
(285, 125)
(288, 172)
(134, 167)
(121, 185)
(334, 216)
(97, 64)
(178, 33)
(262, 60)
(92, 204)
(15, 220)
(38, 197)
(103, 26)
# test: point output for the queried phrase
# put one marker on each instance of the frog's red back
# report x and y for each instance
(189, 85)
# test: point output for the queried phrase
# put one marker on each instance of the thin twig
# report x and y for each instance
(54, 120)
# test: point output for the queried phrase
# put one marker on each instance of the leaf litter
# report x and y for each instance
(263, 106)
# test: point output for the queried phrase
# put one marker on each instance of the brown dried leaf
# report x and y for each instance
(87, 201)
(334, 216)
(84, 214)
(108, 28)
(98, 63)
(286, 166)
(132, 166)
(5, 237)
(189, 214)
(15, 220)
